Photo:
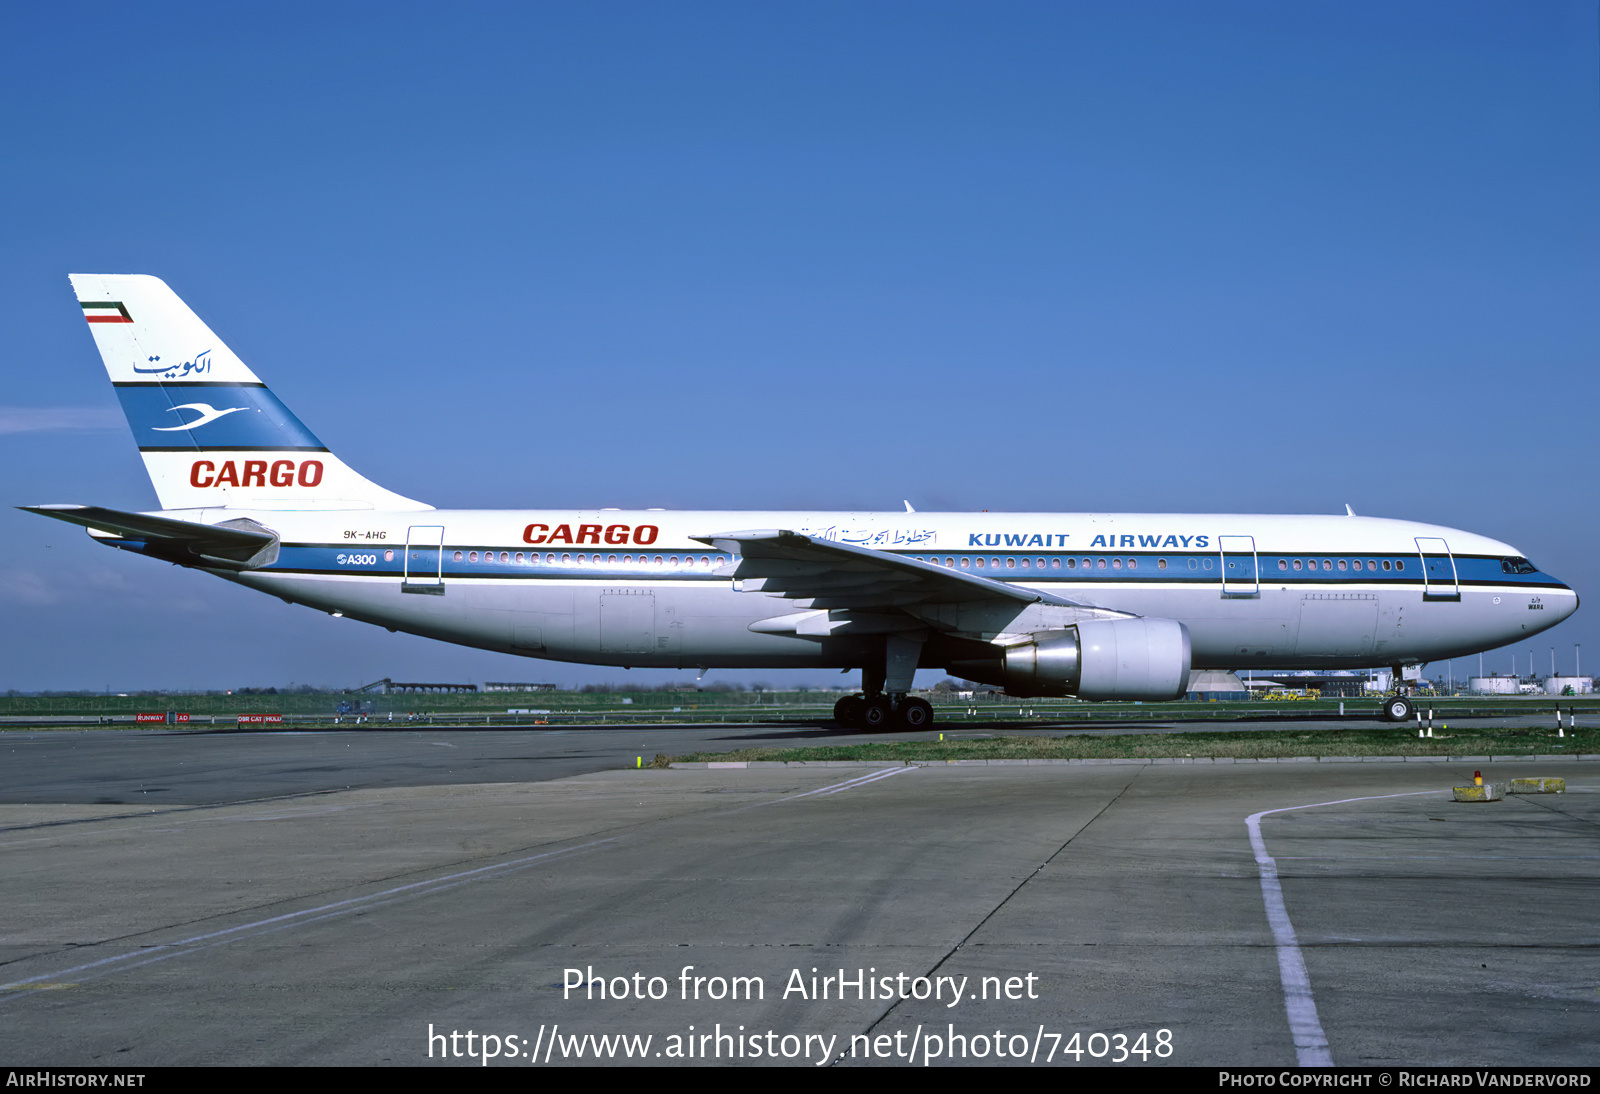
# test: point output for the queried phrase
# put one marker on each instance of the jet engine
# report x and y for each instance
(1096, 659)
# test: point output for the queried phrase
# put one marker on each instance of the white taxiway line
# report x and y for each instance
(1310, 1043)
(849, 784)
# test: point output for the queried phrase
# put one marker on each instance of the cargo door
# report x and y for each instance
(627, 621)
(1337, 625)
(424, 566)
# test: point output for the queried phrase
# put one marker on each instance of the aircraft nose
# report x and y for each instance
(1572, 605)
(1564, 601)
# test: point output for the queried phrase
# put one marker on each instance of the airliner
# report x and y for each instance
(1093, 605)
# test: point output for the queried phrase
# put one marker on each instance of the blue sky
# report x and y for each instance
(1138, 257)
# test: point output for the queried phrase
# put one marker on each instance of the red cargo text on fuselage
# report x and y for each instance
(616, 535)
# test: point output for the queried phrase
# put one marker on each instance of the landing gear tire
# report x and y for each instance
(1397, 708)
(850, 712)
(916, 714)
(879, 714)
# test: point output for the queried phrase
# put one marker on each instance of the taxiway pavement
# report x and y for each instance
(322, 925)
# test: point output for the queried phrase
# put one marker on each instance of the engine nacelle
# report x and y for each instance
(1097, 659)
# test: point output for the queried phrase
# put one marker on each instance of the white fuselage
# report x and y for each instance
(633, 588)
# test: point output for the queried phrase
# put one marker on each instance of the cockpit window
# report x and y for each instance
(1516, 564)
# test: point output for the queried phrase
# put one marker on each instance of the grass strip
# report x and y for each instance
(1266, 744)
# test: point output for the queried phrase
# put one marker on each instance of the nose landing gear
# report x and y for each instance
(1397, 708)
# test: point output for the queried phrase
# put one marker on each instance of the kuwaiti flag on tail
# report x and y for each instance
(105, 311)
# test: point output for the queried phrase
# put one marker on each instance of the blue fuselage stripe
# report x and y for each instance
(1087, 569)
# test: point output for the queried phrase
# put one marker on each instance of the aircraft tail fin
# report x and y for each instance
(211, 433)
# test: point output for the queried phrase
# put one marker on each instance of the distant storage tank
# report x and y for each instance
(1494, 685)
(1558, 685)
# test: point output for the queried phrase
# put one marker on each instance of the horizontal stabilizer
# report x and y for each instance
(233, 545)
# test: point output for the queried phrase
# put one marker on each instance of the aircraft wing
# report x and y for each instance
(234, 545)
(841, 575)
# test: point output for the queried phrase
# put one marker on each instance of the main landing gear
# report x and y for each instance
(883, 712)
(884, 704)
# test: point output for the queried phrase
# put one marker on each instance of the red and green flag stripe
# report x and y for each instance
(105, 311)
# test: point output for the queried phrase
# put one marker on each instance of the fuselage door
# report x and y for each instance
(1239, 574)
(424, 568)
(1439, 578)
